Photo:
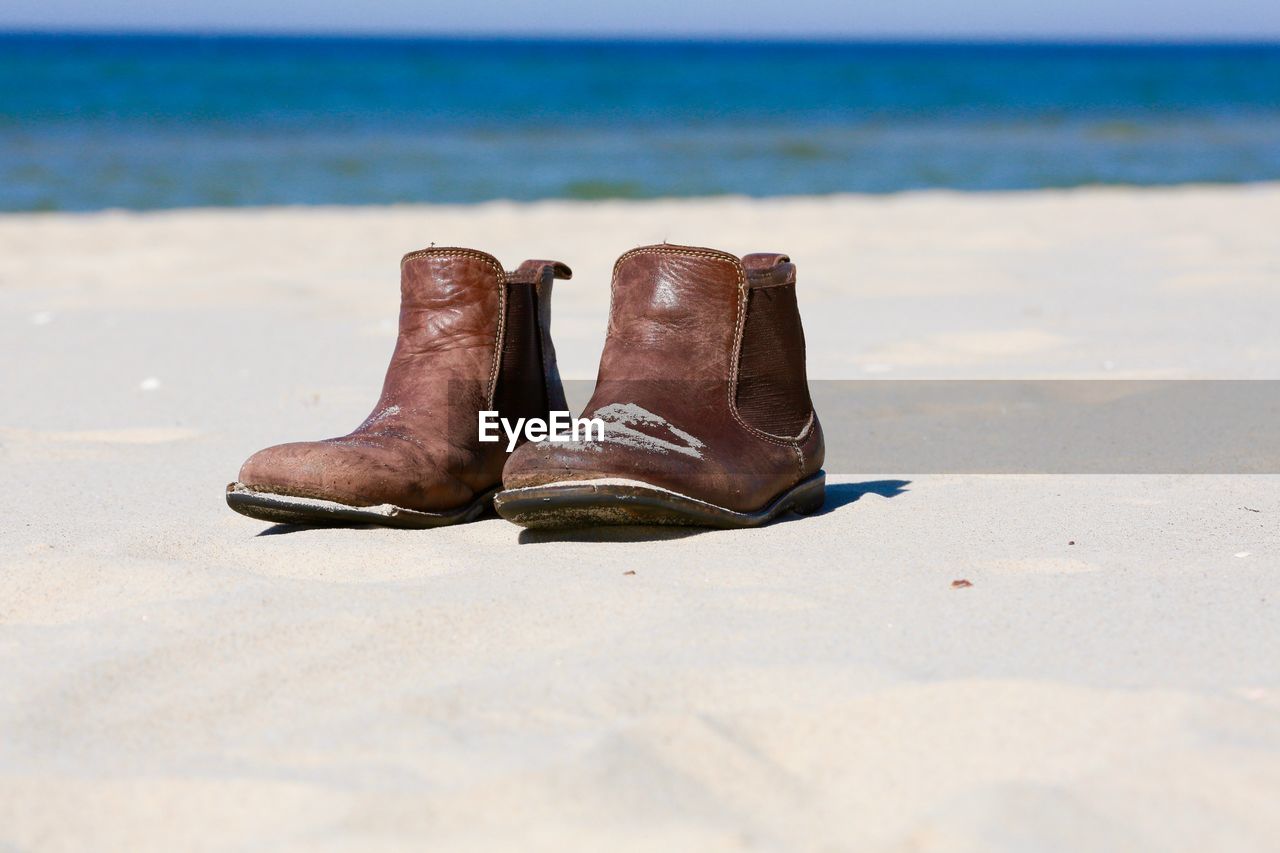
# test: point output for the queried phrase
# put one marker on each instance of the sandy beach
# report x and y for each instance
(178, 677)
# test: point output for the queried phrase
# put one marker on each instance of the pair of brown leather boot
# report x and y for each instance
(701, 412)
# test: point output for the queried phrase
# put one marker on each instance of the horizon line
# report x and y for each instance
(641, 38)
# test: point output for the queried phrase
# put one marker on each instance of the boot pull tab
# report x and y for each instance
(535, 270)
(767, 269)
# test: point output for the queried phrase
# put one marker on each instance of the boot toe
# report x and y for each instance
(370, 472)
(314, 469)
(288, 469)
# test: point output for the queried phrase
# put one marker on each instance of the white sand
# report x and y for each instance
(171, 680)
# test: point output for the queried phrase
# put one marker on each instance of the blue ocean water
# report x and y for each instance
(88, 122)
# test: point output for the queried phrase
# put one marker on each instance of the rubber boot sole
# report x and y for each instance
(585, 503)
(313, 512)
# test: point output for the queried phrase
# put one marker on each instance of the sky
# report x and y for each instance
(948, 19)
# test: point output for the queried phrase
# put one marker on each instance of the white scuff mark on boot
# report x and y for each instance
(612, 481)
(622, 418)
(386, 510)
(379, 417)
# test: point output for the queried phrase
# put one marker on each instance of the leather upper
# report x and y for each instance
(666, 388)
(419, 448)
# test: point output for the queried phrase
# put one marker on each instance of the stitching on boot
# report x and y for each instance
(800, 440)
(501, 274)
(688, 251)
(543, 329)
(449, 251)
(298, 492)
(492, 392)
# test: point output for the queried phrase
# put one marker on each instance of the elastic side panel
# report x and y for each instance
(772, 393)
(521, 392)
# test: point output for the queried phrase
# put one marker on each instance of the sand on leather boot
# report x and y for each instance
(472, 337)
(704, 399)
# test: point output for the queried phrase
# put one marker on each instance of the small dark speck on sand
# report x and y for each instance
(961, 584)
(1071, 542)
(632, 572)
(1251, 509)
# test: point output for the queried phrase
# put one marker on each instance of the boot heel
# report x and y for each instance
(810, 495)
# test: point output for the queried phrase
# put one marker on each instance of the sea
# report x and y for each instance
(89, 122)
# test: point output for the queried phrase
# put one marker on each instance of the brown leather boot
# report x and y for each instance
(471, 337)
(704, 399)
